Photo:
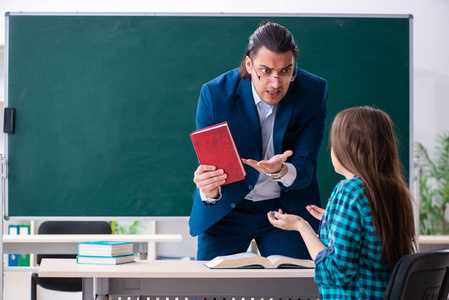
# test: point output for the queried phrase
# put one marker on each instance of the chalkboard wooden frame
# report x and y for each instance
(66, 73)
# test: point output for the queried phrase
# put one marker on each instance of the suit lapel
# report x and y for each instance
(283, 114)
(249, 112)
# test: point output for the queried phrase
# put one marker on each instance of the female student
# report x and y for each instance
(368, 222)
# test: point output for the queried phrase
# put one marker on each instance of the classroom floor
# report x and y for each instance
(17, 286)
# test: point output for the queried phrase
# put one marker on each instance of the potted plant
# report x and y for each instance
(132, 228)
(434, 186)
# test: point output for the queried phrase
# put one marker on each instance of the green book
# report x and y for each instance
(24, 259)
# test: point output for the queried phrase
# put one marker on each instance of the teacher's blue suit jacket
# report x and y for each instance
(299, 126)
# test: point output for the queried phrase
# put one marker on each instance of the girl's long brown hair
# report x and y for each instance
(364, 142)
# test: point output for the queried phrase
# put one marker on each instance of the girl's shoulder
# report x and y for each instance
(353, 184)
(350, 192)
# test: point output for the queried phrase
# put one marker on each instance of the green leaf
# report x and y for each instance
(433, 185)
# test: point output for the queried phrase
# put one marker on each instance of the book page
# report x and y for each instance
(285, 261)
(239, 260)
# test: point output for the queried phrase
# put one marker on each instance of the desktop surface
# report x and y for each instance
(160, 269)
(171, 279)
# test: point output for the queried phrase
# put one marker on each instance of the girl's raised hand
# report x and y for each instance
(284, 221)
(315, 211)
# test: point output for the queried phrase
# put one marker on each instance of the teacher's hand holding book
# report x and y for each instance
(219, 159)
(208, 179)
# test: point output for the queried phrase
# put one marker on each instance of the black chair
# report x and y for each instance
(65, 227)
(420, 276)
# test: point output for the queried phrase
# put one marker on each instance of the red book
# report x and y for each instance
(215, 146)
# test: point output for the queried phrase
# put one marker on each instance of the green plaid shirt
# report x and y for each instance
(350, 267)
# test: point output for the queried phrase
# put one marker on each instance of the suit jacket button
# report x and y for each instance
(233, 205)
(250, 187)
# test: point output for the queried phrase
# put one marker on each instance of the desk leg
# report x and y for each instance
(88, 289)
(101, 288)
(142, 249)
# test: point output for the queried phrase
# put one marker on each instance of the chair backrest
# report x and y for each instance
(71, 227)
(74, 227)
(420, 276)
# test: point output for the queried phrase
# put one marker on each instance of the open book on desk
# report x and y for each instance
(252, 260)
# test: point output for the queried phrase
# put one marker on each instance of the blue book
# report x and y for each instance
(105, 248)
(105, 260)
(13, 260)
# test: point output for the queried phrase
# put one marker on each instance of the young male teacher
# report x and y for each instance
(276, 113)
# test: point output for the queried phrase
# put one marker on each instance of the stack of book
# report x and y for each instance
(109, 253)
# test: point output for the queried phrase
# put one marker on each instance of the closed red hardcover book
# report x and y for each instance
(215, 146)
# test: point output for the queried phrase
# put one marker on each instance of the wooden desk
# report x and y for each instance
(66, 243)
(170, 279)
(434, 239)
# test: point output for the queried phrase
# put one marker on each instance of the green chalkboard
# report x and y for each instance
(104, 104)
